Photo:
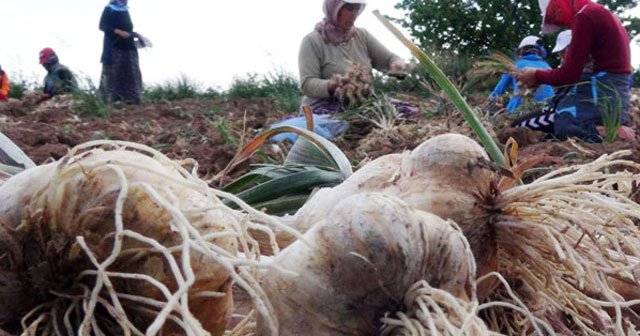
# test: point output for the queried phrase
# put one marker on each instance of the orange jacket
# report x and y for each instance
(4, 83)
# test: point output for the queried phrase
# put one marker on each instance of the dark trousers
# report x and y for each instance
(578, 109)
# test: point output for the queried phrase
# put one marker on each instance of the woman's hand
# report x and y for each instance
(332, 85)
(399, 69)
(122, 33)
(527, 77)
(398, 66)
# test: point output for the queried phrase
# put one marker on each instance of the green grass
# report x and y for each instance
(181, 88)
(21, 83)
(88, 103)
(281, 86)
(18, 89)
(224, 130)
(610, 105)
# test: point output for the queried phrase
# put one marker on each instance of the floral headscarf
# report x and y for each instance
(119, 5)
(559, 14)
(328, 28)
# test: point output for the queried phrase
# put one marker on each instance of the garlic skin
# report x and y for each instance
(359, 262)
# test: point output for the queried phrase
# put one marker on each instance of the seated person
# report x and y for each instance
(530, 54)
(335, 47)
(4, 85)
(597, 34)
(543, 120)
(59, 78)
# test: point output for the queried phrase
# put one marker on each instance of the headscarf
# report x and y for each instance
(47, 56)
(119, 5)
(328, 28)
(559, 13)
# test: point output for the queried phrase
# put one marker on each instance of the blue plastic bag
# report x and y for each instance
(323, 125)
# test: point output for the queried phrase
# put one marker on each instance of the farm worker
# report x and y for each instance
(4, 85)
(603, 93)
(543, 120)
(59, 78)
(121, 79)
(563, 41)
(334, 46)
(529, 54)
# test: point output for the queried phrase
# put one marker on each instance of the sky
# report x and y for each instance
(210, 42)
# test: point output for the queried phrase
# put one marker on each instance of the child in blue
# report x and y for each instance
(530, 54)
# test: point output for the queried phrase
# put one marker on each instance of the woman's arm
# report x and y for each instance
(502, 86)
(576, 58)
(310, 67)
(106, 21)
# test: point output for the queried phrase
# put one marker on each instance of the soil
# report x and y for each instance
(206, 130)
(210, 131)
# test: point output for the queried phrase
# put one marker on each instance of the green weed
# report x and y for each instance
(610, 107)
(179, 89)
(88, 103)
(68, 130)
(281, 86)
(21, 83)
(224, 130)
(214, 112)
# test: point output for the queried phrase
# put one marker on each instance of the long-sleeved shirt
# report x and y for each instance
(59, 80)
(506, 81)
(318, 60)
(596, 32)
(109, 21)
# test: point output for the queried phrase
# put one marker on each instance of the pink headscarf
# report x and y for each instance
(327, 27)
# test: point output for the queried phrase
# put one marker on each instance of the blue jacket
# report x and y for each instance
(59, 80)
(527, 61)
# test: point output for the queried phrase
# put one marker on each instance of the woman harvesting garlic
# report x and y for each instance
(337, 48)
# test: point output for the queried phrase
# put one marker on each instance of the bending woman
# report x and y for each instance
(332, 48)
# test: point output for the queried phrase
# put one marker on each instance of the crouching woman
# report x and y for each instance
(593, 96)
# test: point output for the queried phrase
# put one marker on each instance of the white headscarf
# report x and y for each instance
(328, 28)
